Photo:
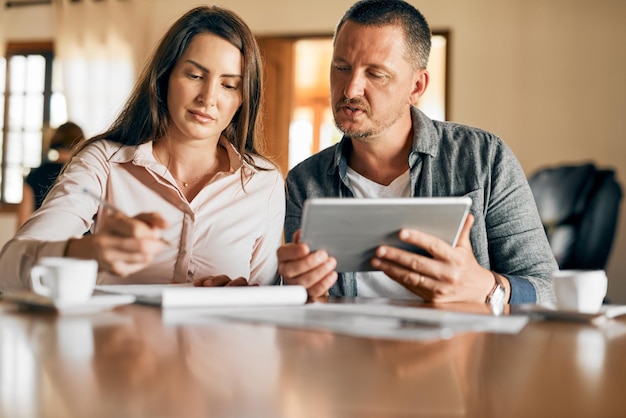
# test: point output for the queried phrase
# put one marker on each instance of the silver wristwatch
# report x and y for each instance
(496, 298)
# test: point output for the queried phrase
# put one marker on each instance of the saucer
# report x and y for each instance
(605, 312)
(96, 303)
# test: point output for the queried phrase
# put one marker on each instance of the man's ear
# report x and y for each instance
(420, 83)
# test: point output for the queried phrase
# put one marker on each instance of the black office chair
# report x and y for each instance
(579, 208)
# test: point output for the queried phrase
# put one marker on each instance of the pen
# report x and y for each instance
(114, 209)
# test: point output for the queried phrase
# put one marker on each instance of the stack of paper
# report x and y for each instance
(183, 296)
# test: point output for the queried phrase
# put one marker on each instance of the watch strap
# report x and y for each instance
(498, 284)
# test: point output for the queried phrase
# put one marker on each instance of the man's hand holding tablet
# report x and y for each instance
(351, 230)
(446, 269)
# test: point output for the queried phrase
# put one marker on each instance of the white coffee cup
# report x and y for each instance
(63, 279)
(580, 290)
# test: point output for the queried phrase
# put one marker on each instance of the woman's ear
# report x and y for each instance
(420, 83)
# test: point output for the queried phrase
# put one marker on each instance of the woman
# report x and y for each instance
(181, 163)
(38, 182)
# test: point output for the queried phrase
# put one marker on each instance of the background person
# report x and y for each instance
(39, 181)
(181, 162)
(392, 149)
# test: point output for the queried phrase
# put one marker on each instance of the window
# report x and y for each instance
(30, 103)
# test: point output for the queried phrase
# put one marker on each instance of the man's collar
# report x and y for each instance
(425, 137)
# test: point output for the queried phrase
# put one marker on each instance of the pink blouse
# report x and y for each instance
(225, 229)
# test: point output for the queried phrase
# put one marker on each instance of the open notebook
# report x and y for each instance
(186, 295)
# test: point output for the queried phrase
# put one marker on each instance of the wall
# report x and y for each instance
(7, 227)
(547, 76)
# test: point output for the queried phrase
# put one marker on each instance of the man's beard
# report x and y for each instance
(352, 133)
(376, 126)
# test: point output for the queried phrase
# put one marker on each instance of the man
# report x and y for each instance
(391, 149)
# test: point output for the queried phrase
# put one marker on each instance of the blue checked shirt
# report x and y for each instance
(449, 159)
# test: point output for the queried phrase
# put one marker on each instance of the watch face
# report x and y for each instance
(498, 295)
(497, 300)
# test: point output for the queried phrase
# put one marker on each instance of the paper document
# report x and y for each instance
(377, 320)
(430, 316)
(184, 295)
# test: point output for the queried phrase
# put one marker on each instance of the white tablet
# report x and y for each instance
(350, 229)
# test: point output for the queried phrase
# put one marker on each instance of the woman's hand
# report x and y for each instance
(221, 281)
(123, 245)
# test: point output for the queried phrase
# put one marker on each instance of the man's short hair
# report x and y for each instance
(394, 13)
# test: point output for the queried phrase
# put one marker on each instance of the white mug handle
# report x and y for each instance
(36, 274)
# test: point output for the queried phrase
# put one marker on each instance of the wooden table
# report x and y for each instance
(128, 363)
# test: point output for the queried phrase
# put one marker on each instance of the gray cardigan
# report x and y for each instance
(448, 159)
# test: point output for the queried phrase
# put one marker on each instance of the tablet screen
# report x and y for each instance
(350, 229)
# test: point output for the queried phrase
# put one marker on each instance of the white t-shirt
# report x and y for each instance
(377, 283)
